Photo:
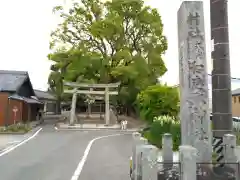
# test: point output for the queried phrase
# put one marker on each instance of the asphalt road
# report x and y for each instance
(108, 159)
(55, 155)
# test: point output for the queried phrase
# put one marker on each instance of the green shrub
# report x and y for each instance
(158, 100)
(17, 128)
(161, 125)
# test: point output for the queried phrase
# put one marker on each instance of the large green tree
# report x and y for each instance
(55, 79)
(118, 40)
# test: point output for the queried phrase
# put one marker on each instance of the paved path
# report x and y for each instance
(55, 155)
(7, 139)
(108, 159)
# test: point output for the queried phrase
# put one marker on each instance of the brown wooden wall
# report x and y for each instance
(3, 108)
(34, 110)
(15, 104)
(25, 112)
(7, 116)
(236, 106)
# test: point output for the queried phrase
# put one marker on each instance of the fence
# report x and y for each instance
(149, 163)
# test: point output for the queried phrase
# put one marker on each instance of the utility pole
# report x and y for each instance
(221, 76)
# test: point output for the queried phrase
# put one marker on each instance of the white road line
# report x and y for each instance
(7, 150)
(86, 152)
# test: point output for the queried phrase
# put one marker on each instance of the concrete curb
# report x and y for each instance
(95, 129)
(13, 133)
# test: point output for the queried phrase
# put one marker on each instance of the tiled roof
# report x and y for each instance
(25, 99)
(44, 95)
(12, 80)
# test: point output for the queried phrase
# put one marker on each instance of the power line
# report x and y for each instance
(231, 77)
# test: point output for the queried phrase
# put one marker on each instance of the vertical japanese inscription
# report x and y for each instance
(195, 122)
(196, 56)
(197, 82)
(181, 64)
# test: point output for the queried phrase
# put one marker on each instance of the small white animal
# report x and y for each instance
(124, 124)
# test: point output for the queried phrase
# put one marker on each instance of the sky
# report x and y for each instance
(24, 38)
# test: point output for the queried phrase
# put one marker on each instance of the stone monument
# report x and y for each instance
(194, 112)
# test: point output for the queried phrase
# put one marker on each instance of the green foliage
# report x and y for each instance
(161, 125)
(238, 138)
(21, 128)
(158, 100)
(115, 41)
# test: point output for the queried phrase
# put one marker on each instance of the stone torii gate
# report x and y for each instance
(76, 90)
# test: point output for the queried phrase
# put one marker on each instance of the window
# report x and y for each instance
(239, 99)
(235, 99)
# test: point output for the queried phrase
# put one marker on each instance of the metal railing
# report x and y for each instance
(150, 163)
(169, 171)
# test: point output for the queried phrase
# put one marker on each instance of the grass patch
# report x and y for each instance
(16, 128)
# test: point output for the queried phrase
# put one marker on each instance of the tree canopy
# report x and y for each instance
(106, 42)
